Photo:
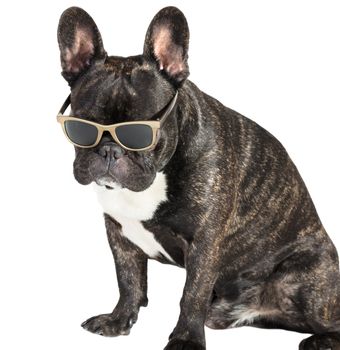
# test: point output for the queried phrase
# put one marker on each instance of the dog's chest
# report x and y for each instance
(131, 208)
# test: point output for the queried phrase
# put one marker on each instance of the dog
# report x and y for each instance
(186, 181)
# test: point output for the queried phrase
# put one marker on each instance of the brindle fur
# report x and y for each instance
(238, 217)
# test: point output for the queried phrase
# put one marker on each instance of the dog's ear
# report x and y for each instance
(167, 42)
(79, 41)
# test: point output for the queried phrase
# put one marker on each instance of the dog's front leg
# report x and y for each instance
(202, 265)
(131, 269)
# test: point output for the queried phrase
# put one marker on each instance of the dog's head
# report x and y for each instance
(109, 90)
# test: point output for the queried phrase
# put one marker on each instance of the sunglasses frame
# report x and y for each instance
(155, 126)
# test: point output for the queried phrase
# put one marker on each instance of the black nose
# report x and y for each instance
(111, 150)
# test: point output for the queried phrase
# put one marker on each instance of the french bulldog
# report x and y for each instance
(207, 190)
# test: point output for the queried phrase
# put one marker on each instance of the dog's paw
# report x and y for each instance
(110, 325)
(179, 344)
(321, 342)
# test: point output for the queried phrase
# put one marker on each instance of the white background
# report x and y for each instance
(277, 62)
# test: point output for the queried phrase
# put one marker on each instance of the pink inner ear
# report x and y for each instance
(78, 56)
(168, 54)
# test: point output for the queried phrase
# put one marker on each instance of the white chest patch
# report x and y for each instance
(129, 208)
(244, 316)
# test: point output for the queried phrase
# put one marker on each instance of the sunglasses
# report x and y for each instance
(132, 136)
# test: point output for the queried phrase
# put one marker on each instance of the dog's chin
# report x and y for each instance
(135, 184)
(109, 183)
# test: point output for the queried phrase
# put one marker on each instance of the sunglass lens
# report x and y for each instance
(82, 134)
(134, 136)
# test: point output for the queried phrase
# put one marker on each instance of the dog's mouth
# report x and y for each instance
(109, 187)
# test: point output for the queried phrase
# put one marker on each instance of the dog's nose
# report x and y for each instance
(111, 150)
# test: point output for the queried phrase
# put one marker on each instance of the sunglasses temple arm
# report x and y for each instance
(169, 109)
(65, 105)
